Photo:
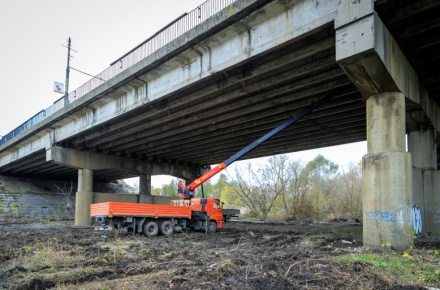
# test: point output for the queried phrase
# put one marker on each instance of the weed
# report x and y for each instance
(28, 249)
(58, 211)
(116, 247)
(68, 193)
(404, 265)
(15, 209)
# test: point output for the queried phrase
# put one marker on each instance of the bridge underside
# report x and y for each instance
(214, 118)
(219, 115)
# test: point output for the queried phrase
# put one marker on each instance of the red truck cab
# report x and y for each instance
(209, 207)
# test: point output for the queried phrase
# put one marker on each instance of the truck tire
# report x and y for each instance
(212, 227)
(166, 228)
(150, 229)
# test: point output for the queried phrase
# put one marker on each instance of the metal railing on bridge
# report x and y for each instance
(176, 28)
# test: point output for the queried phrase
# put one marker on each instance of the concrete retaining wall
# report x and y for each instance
(51, 207)
(58, 207)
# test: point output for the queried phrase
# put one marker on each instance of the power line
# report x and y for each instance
(88, 74)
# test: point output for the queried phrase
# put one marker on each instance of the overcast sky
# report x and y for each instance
(32, 55)
(32, 34)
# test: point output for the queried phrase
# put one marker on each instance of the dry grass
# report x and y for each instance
(239, 257)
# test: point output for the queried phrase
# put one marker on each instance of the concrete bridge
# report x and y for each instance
(195, 94)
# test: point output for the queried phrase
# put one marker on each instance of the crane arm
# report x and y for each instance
(292, 119)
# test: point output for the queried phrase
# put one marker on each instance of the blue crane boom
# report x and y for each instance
(186, 192)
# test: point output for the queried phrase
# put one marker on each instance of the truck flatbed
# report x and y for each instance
(228, 213)
(111, 209)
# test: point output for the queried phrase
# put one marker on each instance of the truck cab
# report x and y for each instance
(205, 211)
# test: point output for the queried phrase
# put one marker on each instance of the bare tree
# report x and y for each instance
(295, 201)
(352, 190)
(68, 194)
(323, 172)
(261, 188)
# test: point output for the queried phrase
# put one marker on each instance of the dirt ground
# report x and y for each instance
(242, 255)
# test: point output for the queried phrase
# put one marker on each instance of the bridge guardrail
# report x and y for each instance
(176, 28)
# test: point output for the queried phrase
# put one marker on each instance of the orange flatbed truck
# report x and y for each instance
(196, 213)
(150, 219)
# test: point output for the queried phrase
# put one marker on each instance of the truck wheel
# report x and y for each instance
(150, 229)
(166, 228)
(212, 227)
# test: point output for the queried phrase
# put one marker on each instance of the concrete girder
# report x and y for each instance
(222, 115)
(265, 127)
(32, 168)
(24, 162)
(213, 90)
(31, 146)
(95, 161)
(315, 139)
(229, 116)
(226, 111)
(356, 136)
(54, 171)
(313, 132)
(228, 127)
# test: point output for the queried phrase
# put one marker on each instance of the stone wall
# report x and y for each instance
(33, 206)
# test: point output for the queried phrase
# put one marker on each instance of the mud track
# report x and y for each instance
(242, 255)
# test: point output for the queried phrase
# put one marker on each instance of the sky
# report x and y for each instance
(33, 53)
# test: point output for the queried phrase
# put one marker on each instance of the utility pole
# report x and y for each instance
(66, 93)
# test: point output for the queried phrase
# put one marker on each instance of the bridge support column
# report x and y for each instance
(431, 186)
(426, 179)
(84, 197)
(145, 184)
(387, 175)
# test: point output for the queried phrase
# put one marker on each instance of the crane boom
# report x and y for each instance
(186, 192)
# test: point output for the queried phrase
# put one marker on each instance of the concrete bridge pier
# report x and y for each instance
(431, 186)
(422, 145)
(145, 184)
(387, 174)
(84, 197)
(372, 59)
